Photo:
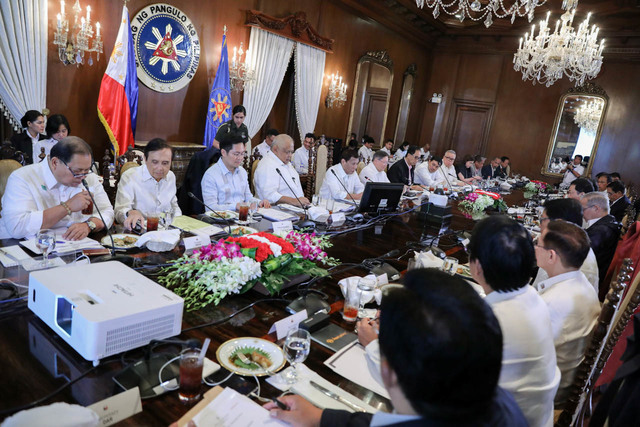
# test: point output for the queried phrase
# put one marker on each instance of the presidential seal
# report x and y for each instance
(167, 48)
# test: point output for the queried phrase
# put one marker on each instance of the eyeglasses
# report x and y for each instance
(238, 154)
(450, 158)
(537, 244)
(82, 174)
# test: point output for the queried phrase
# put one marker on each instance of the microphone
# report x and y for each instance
(445, 176)
(368, 179)
(125, 259)
(193, 196)
(306, 216)
(345, 188)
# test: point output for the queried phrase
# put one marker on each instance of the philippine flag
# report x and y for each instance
(118, 98)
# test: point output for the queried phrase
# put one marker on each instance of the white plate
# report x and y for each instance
(227, 349)
(227, 215)
(248, 230)
(106, 241)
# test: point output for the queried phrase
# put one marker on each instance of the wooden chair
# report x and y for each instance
(8, 152)
(360, 166)
(7, 166)
(254, 166)
(321, 165)
(612, 320)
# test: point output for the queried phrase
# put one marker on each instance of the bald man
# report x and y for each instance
(275, 179)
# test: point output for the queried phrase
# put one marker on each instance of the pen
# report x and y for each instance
(280, 404)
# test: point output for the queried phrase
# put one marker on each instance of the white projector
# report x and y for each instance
(104, 309)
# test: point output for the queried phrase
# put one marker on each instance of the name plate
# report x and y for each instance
(117, 408)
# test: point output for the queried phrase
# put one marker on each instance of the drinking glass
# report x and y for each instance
(365, 292)
(169, 215)
(243, 212)
(190, 375)
(450, 265)
(296, 349)
(153, 220)
(314, 200)
(331, 205)
(46, 242)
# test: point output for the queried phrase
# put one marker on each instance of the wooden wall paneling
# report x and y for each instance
(470, 126)
(478, 77)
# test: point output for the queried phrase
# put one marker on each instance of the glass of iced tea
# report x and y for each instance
(89, 209)
(243, 212)
(351, 303)
(152, 221)
(190, 375)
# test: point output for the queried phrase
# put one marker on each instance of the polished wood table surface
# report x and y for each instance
(35, 362)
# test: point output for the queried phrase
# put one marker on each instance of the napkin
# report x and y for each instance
(318, 214)
(64, 415)
(170, 237)
(312, 394)
(428, 260)
(352, 282)
(505, 186)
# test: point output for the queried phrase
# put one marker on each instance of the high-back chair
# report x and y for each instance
(7, 166)
(604, 338)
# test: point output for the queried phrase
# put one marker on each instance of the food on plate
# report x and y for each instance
(223, 214)
(241, 231)
(253, 356)
(125, 240)
(463, 270)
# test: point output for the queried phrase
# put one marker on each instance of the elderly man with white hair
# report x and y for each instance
(603, 231)
(447, 172)
(275, 179)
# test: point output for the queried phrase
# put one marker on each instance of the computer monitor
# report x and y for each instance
(381, 197)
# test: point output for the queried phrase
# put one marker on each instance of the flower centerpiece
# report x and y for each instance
(477, 202)
(234, 265)
(535, 187)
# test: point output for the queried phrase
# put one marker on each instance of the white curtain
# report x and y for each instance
(23, 57)
(269, 56)
(309, 74)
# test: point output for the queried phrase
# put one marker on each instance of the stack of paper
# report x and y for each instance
(12, 256)
(277, 215)
(63, 246)
(192, 225)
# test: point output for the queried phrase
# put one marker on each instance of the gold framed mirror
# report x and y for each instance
(405, 104)
(577, 128)
(371, 94)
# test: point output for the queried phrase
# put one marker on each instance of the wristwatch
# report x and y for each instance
(92, 226)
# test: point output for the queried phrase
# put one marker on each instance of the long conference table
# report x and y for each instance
(35, 361)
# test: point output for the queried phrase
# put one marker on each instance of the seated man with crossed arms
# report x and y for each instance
(275, 179)
(147, 189)
(225, 184)
(341, 181)
(50, 194)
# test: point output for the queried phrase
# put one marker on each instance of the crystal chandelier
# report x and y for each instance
(477, 11)
(240, 73)
(72, 47)
(337, 95)
(548, 56)
(587, 117)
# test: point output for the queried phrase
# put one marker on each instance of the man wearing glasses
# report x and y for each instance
(447, 172)
(225, 184)
(51, 195)
(148, 189)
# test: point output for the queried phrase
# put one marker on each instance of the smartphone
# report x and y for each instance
(236, 382)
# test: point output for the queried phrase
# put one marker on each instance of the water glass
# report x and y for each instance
(365, 292)
(450, 265)
(169, 215)
(46, 242)
(330, 205)
(314, 200)
(296, 349)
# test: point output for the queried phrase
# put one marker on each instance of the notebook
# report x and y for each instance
(12, 256)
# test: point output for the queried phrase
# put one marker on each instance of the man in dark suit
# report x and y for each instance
(492, 170)
(619, 202)
(423, 326)
(402, 171)
(603, 230)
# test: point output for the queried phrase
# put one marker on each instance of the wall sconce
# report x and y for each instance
(240, 72)
(436, 98)
(337, 95)
(72, 48)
